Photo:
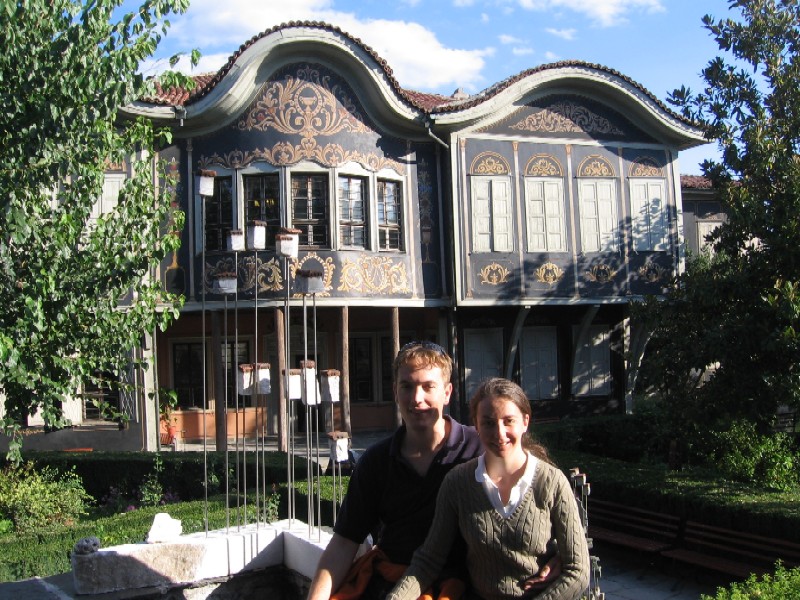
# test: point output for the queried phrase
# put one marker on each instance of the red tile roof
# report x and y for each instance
(696, 182)
(428, 103)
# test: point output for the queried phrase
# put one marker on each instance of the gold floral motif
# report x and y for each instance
(652, 272)
(567, 117)
(494, 274)
(326, 265)
(543, 165)
(285, 153)
(600, 274)
(646, 167)
(489, 163)
(223, 265)
(595, 166)
(267, 275)
(374, 275)
(306, 105)
(549, 273)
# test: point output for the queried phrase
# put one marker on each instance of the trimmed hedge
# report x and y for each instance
(183, 472)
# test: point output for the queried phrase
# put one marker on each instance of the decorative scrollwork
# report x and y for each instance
(543, 165)
(285, 153)
(306, 104)
(595, 166)
(600, 274)
(325, 264)
(646, 167)
(489, 163)
(494, 274)
(567, 117)
(549, 273)
(652, 272)
(374, 275)
(266, 275)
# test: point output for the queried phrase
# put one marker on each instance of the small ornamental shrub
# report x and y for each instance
(35, 500)
(783, 585)
(743, 454)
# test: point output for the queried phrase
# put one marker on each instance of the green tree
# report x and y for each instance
(739, 311)
(75, 293)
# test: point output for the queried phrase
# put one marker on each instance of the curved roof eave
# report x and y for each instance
(236, 84)
(592, 81)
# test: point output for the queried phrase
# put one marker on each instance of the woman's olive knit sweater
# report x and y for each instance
(503, 552)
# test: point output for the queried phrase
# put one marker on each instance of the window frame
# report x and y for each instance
(273, 223)
(384, 227)
(606, 238)
(309, 225)
(547, 229)
(644, 231)
(347, 221)
(219, 227)
(494, 214)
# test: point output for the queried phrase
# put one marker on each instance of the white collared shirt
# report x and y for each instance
(517, 492)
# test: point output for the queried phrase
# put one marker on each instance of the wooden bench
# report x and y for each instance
(731, 552)
(635, 528)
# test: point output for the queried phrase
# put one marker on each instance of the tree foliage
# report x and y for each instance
(76, 292)
(738, 312)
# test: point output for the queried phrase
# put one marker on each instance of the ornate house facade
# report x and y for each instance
(513, 227)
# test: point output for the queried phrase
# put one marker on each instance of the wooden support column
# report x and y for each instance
(398, 420)
(280, 335)
(220, 420)
(344, 332)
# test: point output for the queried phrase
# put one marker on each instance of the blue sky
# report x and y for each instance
(441, 45)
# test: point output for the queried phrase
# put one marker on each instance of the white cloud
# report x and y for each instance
(417, 58)
(604, 13)
(463, 3)
(551, 56)
(484, 18)
(564, 34)
(509, 39)
(411, 3)
(521, 51)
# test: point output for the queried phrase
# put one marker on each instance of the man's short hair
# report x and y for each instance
(423, 355)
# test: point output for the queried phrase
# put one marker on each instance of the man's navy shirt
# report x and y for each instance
(386, 496)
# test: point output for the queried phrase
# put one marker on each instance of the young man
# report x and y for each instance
(392, 492)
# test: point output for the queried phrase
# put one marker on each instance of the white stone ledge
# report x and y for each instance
(200, 556)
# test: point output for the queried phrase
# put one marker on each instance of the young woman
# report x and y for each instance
(507, 504)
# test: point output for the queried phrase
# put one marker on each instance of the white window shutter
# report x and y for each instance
(554, 210)
(659, 224)
(607, 215)
(535, 215)
(640, 216)
(501, 215)
(590, 223)
(112, 185)
(481, 214)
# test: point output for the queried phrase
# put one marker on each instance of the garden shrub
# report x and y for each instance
(34, 500)
(743, 454)
(783, 585)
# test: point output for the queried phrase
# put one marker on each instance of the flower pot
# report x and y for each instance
(309, 282)
(225, 283)
(295, 384)
(205, 182)
(236, 240)
(329, 385)
(257, 235)
(262, 378)
(287, 242)
(244, 380)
